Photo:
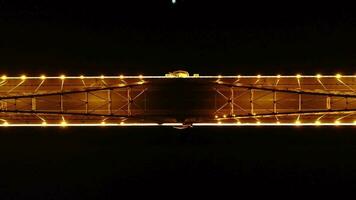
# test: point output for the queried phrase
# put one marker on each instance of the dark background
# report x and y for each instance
(153, 38)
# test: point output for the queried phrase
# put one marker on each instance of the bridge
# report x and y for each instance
(178, 99)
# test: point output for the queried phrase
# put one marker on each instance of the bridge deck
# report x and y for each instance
(197, 100)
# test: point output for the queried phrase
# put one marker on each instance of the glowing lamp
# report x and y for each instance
(63, 123)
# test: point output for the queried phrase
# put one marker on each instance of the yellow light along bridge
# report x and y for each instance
(179, 100)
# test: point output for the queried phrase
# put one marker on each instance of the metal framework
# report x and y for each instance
(158, 100)
(279, 100)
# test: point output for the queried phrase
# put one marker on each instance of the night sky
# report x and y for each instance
(153, 38)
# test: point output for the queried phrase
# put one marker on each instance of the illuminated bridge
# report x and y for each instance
(178, 99)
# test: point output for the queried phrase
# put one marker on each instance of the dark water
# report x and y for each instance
(109, 162)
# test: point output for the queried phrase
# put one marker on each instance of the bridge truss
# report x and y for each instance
(202, 101)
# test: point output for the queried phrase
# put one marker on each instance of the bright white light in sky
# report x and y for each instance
(173, 1)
